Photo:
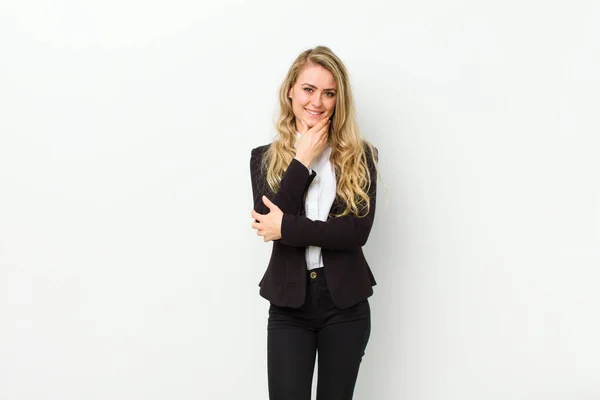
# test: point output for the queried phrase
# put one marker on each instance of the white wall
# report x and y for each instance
(125, 135)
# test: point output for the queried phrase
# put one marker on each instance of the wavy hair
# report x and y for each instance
(349, 150)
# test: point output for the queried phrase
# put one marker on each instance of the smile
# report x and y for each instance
(313, 112)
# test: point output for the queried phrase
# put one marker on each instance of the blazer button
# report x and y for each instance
(313, 275)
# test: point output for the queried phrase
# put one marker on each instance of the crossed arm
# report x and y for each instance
(337, 233)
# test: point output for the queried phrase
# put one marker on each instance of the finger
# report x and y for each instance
(324, 139)
(324, 126)
(255, 225)
(327, 115)
(323, 129)
(256, 215)
(318, 125)
(323, 122)
(268, 202)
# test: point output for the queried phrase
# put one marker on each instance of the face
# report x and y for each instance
(313, 94)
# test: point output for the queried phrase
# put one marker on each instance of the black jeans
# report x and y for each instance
(294, 335)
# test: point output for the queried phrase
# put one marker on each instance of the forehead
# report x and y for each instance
(318, 76)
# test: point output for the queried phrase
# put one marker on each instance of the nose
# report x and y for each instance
(316, 100)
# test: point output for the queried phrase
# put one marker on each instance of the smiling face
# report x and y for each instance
(314, 92)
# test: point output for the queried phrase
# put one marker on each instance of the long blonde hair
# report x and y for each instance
(348, 155)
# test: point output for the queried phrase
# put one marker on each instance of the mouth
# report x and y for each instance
(314, 113)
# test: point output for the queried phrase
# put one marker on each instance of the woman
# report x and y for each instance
(314, 193)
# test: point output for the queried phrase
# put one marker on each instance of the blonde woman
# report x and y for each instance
(314, 191)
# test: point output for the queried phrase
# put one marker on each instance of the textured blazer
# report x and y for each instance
(349, 277)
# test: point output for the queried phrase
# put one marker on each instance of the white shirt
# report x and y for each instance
(319, 199)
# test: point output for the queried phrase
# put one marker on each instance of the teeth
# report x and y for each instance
(312, 113)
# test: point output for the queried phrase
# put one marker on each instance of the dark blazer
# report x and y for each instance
(349, 277)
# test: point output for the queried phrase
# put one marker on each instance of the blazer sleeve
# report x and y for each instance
(294, 183)
(337, 233)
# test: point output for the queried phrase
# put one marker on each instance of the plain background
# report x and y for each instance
(128, 266)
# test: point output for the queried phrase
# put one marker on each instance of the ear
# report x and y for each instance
(290, 93)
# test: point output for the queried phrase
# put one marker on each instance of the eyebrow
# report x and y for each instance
(314, 87)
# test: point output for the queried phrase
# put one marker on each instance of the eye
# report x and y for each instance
(307, 89)
(330, 94)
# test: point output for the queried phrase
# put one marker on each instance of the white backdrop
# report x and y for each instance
(128, 267)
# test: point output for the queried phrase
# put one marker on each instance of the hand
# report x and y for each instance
(268, 225)
(312, 141)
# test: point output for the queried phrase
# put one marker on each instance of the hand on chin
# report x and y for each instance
(310, 123)
(304, 126)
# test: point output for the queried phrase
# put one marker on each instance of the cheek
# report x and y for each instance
(301, 99)
(330, 104)
(297, 105)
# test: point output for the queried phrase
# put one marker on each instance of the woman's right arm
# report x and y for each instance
(294, 183)
(297, 177)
